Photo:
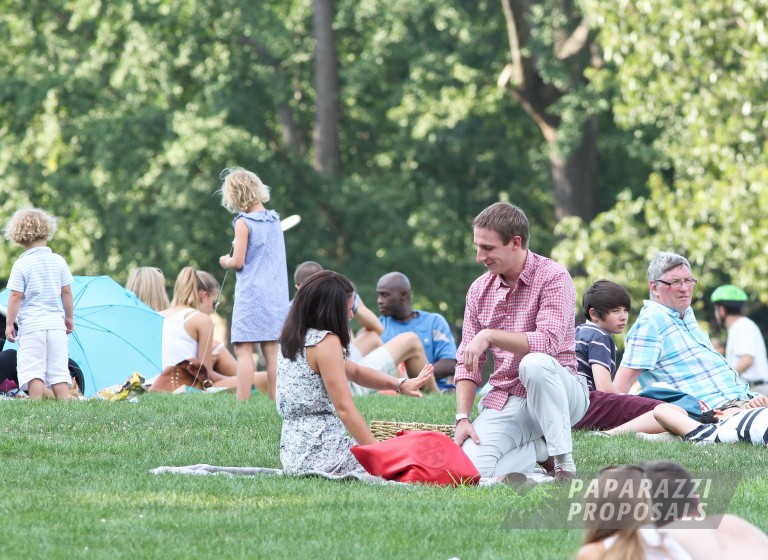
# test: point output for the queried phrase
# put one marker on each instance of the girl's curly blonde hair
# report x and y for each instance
(28, 225)
(241, 188)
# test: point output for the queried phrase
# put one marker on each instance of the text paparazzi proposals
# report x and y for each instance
(622, 498)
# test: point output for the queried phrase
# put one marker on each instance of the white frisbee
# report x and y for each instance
(289, 222)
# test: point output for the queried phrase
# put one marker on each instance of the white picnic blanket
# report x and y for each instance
(203, 469)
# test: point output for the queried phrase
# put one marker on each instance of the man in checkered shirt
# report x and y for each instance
(523, 311)
(666, 344)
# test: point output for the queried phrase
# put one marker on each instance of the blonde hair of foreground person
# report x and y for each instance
(730, 537)
(625, 487)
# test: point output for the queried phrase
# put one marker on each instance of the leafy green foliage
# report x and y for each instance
(690, 86)
(117, 117)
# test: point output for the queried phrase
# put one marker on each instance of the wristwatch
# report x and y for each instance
(459, 417)
(400, 383)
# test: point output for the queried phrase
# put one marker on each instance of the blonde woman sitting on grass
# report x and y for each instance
(188, 330)
(148, 283)
(663, 518)
(621, 526)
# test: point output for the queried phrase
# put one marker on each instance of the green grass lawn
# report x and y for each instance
(75, 483)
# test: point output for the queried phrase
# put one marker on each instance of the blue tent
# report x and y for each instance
(115, 333)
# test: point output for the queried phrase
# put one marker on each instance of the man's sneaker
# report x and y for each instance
(663, 436)
(524, 481)
(548, 465)
(514, 479)
(562, 475)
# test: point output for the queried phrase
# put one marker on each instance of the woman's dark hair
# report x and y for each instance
(320, 303)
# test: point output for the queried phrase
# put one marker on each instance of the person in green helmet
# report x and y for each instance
(745, 346)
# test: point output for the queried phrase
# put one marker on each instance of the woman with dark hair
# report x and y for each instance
(313, 374)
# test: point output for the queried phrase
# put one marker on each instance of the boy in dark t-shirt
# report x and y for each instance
(606, 307)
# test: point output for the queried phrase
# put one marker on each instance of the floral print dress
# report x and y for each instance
(312, 438)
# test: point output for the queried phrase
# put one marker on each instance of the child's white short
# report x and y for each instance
(43, 355)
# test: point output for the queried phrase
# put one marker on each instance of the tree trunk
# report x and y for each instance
(574, 177)
(574, 170)
(291, 134)
(325, 137)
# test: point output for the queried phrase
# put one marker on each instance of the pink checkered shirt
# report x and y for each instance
(541, 304)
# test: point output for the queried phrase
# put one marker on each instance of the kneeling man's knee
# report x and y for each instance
(483, 457)
(535, 365)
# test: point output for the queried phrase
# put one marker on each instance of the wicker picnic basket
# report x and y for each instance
(382, 429)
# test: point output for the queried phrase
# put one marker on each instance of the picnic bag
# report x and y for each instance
(190, 373)
(428, 457)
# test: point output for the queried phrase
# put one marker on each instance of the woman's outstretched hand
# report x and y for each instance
(412, 386)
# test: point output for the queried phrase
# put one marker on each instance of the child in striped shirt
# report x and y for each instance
(730, 425)
(41, 299)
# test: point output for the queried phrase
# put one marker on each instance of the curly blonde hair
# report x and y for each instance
(241, 188)
(28, 225)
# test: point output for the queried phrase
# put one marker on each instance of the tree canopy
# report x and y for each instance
(117, 117)
(688, 79)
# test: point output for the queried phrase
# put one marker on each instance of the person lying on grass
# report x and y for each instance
(729, 425)
(678, 511)
(313, 373)
(654, 511)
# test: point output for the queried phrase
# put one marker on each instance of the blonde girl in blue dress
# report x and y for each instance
(261, 285)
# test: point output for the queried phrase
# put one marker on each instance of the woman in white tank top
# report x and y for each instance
(188, 330)
(636, 538)
(178, 343)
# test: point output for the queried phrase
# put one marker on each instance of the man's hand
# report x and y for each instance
(757, 402)
(464, 430)
(474, 350)
(69, 325)
(10, 333)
